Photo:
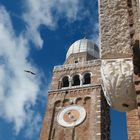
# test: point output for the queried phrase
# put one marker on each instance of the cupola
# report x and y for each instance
(82, 50)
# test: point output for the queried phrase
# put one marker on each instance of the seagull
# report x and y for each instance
(30, 72)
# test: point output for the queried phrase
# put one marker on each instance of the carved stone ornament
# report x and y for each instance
(118, 85)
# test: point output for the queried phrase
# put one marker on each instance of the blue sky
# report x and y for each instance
(35, 35)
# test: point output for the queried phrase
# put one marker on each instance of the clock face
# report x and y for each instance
(71, 116)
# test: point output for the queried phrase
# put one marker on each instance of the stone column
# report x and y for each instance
(116, 37)
(70, 82)
(119, 39)
(81, 80)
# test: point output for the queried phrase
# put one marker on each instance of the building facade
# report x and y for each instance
(77, 109)
(120, 48)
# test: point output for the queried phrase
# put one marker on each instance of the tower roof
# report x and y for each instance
(83, 45)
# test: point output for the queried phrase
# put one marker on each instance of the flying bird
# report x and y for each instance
(30, 72)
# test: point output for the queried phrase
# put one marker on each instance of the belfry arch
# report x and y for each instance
(75, 80)
(64, 82)
(86, 78)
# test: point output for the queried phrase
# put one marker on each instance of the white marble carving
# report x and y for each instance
(118, 85)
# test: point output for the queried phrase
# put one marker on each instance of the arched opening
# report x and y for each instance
(75, 80)
(66, 102)
(87, 100)
(87, 104)
(65, 81)
(57, 103)
(86, 78)
(79, 101)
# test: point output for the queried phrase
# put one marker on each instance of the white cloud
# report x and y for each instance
(67, 8)
(48, 12)
(95, 36)
(17, 90)
(34, 126)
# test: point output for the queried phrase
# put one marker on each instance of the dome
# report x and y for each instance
(83, 45)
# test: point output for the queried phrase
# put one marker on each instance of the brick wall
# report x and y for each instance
(94, 127)
(120, 32)
(133, 125)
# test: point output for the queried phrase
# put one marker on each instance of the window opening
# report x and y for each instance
(65, 82)
(66, 102)
(79, 101)
(96, 48)
(76, 61)
(57, 103)
(86, 79)
(87, 100)
(76, 80)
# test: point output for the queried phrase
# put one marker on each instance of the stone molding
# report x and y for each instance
(77, 65)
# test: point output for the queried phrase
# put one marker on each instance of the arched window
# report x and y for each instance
(65, 81)
(87, 100)
(79, 101)
(75, 80)
(57, 103)
(86, 78)
(66, 102)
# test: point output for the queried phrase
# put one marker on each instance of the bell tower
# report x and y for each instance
(76, 108)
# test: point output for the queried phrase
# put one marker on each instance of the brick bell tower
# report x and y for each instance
(77, 109)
